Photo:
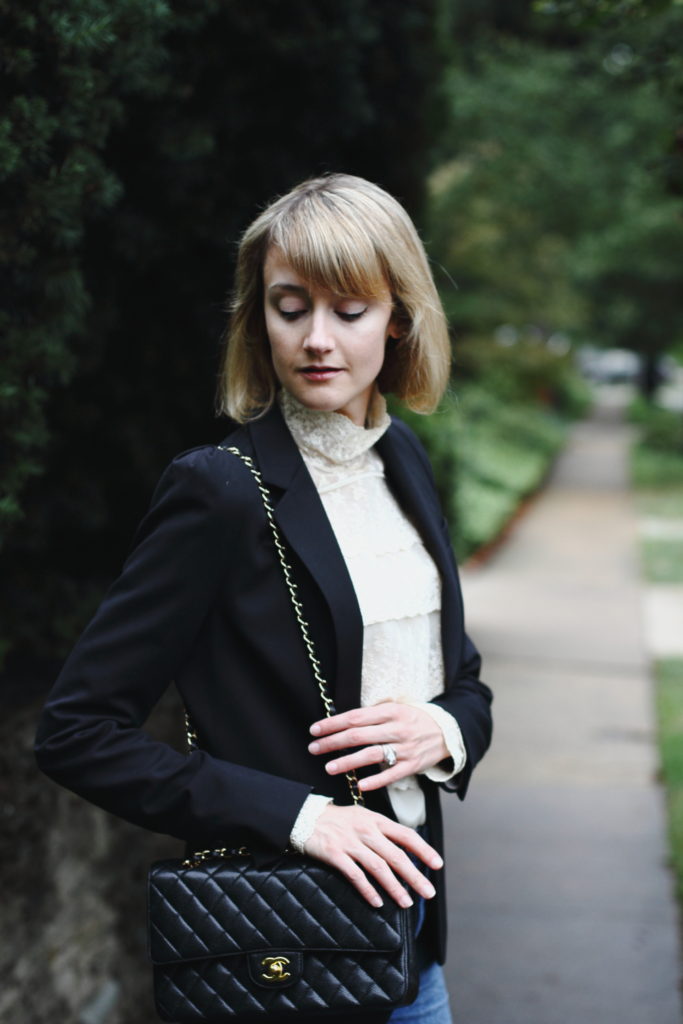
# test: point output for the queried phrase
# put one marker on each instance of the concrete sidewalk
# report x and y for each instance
(561, 902)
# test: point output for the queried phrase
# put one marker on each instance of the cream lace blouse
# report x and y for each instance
(396, 582)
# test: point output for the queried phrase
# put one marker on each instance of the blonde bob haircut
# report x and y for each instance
(345, 236)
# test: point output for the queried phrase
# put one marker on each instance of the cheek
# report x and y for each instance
(375, 349)
(377, 359)
(276, 339)
(278, 357)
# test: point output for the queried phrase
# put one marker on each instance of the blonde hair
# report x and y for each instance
(344, 235)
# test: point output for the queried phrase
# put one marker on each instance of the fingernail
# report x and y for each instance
(314, 748)
(376, 902)
(315, 729)
(332, 766)
(406, 901)
(437, 862)
(428, 890)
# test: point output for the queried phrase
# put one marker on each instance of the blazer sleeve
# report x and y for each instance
(468, 699)
(90, 736)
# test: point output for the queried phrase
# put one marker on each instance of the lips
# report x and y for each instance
(319, 372)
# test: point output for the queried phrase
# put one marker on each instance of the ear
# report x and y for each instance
(394, 329)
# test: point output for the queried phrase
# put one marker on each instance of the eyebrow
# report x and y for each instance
(283, 286)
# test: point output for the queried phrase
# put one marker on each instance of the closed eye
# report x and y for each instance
(346, 317)
(349, 317)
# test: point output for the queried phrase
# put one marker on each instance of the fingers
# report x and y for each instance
(365, 758)
(373, 715)
(357, 736)
(359, 880)
(367, 848)
(367, 728)
(411, 841)
(417, 739)
(391, 866)
(374, 754)
(379, 868)
(401, 770)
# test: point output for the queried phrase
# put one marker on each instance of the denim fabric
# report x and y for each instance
(431, 1005)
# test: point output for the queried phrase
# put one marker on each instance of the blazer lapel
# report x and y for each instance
(304, 524)
(301, 518)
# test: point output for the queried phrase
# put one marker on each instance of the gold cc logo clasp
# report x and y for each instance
(275, 968)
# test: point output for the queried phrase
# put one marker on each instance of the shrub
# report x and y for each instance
(657, 455)
(655, 470)
(527, 371)
(660, 429)
(488, 455)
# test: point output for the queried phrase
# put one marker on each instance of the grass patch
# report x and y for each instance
(662, 560)
(669, 676)
(654, 469)
(661, 504)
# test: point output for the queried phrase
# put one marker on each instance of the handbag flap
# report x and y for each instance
(224, 907)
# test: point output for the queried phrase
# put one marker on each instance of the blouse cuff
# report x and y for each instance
(452, 738)
(312, 807)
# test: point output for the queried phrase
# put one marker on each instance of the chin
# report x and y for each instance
(318, 401)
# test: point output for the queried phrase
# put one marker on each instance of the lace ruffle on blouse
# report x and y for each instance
(396, 582)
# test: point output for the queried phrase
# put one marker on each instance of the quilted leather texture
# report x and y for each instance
(211, 925)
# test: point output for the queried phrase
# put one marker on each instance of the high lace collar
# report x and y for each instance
(331, 434)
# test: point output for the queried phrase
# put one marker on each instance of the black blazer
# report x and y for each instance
(201, 601)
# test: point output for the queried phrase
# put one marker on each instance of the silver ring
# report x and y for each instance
(389, 753)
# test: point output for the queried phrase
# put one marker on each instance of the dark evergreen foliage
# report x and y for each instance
(140, 138)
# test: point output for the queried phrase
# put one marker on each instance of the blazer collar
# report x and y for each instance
(304, 524)
(411, 485)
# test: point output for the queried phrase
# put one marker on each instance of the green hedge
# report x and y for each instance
(657, 454)
(527, 371)
(659, 429)
(488, 456)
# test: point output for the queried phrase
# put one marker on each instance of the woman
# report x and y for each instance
(334, 304)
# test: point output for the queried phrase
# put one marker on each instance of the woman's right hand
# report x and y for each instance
(360, 843)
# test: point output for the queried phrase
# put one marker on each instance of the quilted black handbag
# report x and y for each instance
(230, 941)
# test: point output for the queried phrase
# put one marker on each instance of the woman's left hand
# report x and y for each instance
(415, 737)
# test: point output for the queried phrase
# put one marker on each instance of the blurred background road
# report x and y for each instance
(562, 903)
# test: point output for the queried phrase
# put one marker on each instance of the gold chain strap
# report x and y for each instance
(351, 777)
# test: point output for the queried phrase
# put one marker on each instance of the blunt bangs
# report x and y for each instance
(330, 247)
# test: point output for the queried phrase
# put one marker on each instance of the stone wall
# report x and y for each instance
(72, 914)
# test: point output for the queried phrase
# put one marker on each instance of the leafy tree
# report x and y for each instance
(62, 67)
(641, 41)
(554, 209)
(591, 14)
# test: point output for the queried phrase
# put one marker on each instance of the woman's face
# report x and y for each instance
(327, 349)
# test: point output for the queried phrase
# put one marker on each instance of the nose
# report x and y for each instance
(319, 337)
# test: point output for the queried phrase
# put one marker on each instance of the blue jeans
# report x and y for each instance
(431, 1005)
